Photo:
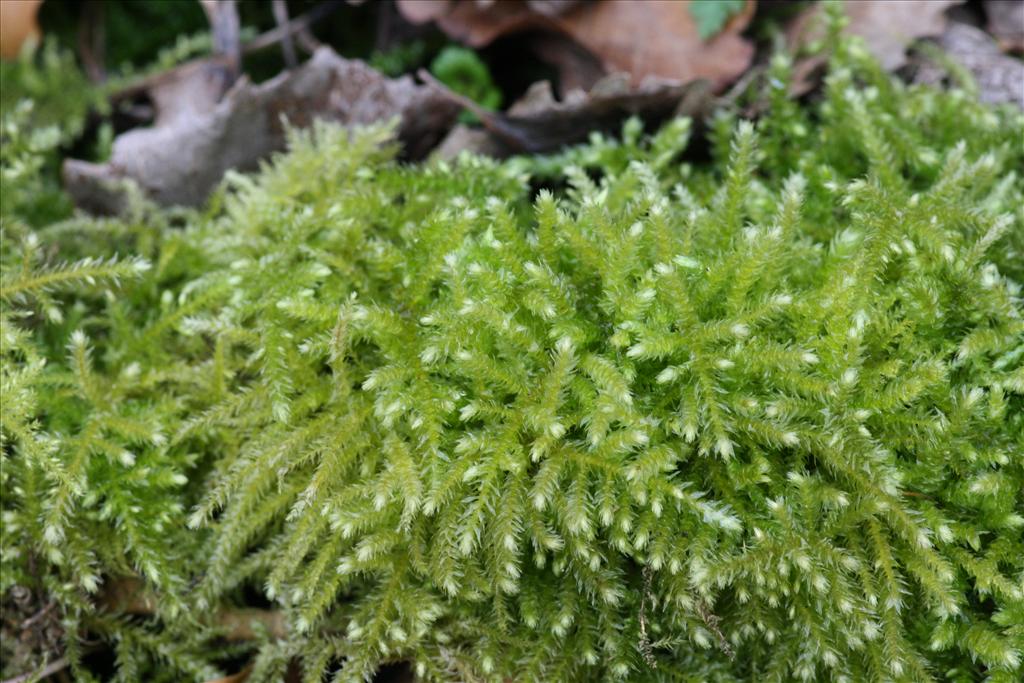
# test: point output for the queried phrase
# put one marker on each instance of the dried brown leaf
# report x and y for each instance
(642, 38)
(660, 39)
(578, 68)
(18, 23)
(479, 25)
(422, 11)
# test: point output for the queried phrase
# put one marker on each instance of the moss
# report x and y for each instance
(752, 419)
(465, 73)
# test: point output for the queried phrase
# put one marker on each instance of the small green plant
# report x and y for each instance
(465, 73)
(49, 77)
(400, 59)
(760, 418)
(44, 103)
(90, 492)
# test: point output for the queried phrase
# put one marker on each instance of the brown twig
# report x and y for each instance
(37, 616)
(293, 27)
(385, 19)
(238, 624)
(711, 620)
(239, 677)
(645, 639)
(740, 88)
(91, 40)
(227, 31)
(48, 670)
(280, 9)
(307, 41)
(297, 26)
(128, 595)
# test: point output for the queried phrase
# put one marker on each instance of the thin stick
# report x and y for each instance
(91, 40)
(294, 26)
(128, 595)
(299, 25)
(226, 29)
(48, 670)
(37, 616)
(645, 640)
(307, 41)
(287, 44)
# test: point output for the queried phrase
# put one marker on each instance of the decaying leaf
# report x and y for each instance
(577, 67)
(422, 11)
(670, 45)
(479, 22)
(887, 28)
(17, 24)
(712, 15)
(642, 38)
(197, 137)
(1006, 23)
(540, 123)
(463, 138)
(998, 77)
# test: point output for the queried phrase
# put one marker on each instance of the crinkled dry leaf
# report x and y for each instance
(475, 23)
(1006, 23)
(463, 138)
(577, 67)
(640, 37)
(196, 138)
(540, 123)
(660, 39)
(887, 28)
(421, 11)
(17, 24)
(483, 19)
(999, 78)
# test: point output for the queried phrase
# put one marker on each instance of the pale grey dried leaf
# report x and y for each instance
(197, 138)
(1006, 23)
(886, 27)
(463, 138)
(999, 77)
